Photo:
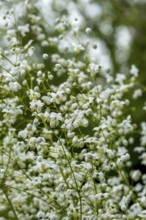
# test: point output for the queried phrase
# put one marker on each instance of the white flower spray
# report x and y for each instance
(64, 131)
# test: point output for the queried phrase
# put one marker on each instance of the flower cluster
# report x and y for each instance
(64, 125)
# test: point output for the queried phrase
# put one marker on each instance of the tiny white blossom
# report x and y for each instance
(45, 56)
(14, 86)
(137, 93)
(134, 71)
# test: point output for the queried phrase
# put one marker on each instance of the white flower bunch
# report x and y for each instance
(65, 131)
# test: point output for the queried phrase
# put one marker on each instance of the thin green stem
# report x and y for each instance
(61, 171)
(12, 187)
(6, 58)
(10, 203)
(77, 187)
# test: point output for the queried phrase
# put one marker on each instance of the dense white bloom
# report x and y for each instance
(66, 129)
(14, 86)
(36, 105)
(23, 29)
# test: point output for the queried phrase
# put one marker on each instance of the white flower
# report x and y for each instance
(40, 215)
(88, 30)
(105, 94)
(134, 71)
(45, 56)
(91, 140)
(142, 215)
(23, 134)
(136, 175)
(36, 104)
(137, 93)
(14, 86)
(23, 29)
(120, 78)
(135, 210)
(78, 49)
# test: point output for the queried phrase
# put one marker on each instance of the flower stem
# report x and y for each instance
(10, 203)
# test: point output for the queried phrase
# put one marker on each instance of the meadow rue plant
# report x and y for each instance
(65, 123)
